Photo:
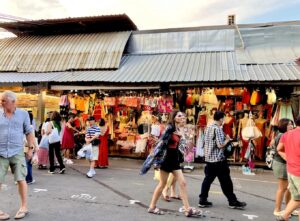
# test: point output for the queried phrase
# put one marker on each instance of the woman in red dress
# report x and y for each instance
(103, 146)
(67, 142)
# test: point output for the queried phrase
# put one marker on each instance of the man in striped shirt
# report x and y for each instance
(92, 137)
(216, 164)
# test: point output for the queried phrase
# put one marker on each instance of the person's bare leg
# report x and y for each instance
(173, 189)
(22, 186)
(182, 188)
(292, 205)
(159, 188)
(281, 190)
(92, 164)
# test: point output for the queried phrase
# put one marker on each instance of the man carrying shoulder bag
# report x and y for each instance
(216, 164)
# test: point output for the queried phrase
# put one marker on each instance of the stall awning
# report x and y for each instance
(184, 67)
(63, 52)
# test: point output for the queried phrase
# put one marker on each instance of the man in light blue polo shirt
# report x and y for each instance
(14, 124)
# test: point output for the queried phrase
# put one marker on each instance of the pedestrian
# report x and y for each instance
(216, 164)
(29, 176)
(14, 124)
(102, 162)
(67, 143)
(288, 149)
(175, 140)
(279, 168)
(53, 132)
(43, 156)
(92, 137)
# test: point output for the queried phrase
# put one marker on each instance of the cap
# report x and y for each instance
(91, 118)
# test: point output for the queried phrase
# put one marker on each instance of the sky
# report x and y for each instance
(158, 14)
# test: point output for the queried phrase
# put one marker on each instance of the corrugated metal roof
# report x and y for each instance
(13, 77)
(267, 45)
(185, 67)
(178, 42)
(63, 52)
(77, 25)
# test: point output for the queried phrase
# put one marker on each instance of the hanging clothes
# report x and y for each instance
(246, 96)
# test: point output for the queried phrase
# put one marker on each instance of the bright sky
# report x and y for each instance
(156, 14)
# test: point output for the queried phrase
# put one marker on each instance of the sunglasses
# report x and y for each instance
(180, 115)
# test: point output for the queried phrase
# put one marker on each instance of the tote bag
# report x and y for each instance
(54, 135)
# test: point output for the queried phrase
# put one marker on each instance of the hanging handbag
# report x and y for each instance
(54, 135)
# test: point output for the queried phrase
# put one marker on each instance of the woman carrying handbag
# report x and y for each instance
(53, 132)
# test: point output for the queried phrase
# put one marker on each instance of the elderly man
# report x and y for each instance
(14, 124)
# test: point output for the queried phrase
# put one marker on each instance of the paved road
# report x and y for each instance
(119, 193)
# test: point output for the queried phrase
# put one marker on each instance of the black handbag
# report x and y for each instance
(95, 142)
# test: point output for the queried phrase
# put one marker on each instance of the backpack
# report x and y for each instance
(271, 151)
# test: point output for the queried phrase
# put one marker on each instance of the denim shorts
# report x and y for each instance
(294, 186)
(17, 165)
(95, 153)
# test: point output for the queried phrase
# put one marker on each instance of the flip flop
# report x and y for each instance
(21, 214)
(175, 197)
(156, 211)
(4, 216)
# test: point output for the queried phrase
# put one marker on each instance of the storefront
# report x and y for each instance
(127, 77)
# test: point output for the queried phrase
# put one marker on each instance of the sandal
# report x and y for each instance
(175, 197)
(156, 211)
(166, 198)
(21, 214)
(193, 212)
(4, 216)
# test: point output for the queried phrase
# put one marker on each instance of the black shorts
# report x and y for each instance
(171, 162)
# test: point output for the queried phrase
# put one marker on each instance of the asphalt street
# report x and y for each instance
(120, 193)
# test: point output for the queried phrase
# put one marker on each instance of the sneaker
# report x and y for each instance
(237, 205)
(90, 174)
(295, 213)
(62, 171)
(31, 182)
(205, 203)
(51, 172)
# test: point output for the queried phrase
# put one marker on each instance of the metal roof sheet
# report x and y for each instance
(267, 45)
(92, 24)
(63, 52)
(181, 41)
(185, 67)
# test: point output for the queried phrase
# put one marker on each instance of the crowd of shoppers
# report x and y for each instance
(58, 137)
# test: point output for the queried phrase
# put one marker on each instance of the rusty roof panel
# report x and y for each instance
(63, 52)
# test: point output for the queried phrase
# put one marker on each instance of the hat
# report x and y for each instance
(91, 118)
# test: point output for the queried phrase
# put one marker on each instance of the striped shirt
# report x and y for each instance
(91, 131)
(213, 135)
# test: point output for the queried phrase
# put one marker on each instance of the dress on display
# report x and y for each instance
(260, 142)
(228, 127)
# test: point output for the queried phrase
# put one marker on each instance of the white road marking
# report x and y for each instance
(35, 190)
(250, 217)
(134, 201)
(139, 184)
(83, 196)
